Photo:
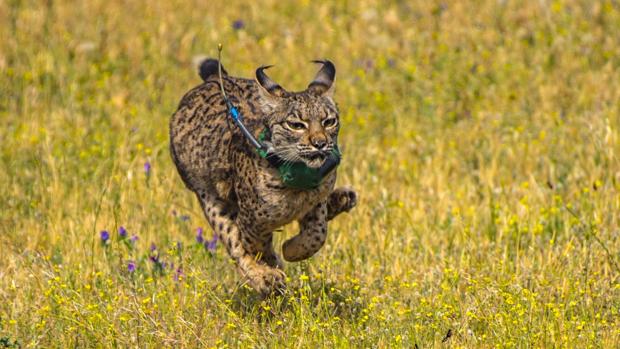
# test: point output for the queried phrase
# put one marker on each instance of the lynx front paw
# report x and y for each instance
(340, 200)
(266, 280)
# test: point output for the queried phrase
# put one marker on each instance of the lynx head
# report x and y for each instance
(303, 125)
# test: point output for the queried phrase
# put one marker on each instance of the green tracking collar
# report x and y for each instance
(298, 175)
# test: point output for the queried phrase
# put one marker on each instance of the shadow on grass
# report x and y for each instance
(323, 299)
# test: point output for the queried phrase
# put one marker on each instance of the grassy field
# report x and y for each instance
(482, 136)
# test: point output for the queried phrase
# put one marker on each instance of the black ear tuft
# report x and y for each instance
(209, 68)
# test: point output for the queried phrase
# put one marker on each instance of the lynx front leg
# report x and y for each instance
(259, 244)
(262, 277)
(311, 237)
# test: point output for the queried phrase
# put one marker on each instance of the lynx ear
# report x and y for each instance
(266, 83)
(324, 80)
(270, 92)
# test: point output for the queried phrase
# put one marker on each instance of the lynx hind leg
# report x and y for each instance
(340, 200)
(262, 277)
(311, 237)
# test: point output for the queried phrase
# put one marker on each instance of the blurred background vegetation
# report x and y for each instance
(482, 136)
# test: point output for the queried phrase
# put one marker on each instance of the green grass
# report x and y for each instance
(483, 138)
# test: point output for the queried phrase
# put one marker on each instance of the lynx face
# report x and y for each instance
(308, 131)
(304, 125)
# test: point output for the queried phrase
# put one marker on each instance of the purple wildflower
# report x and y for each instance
(154, 258)
(212, 244)
(238, 24)
(105, 236)
(131, 266)
(154, 255)
(199, 237)
(147, 168)
(178, 274)
(122, 232)
(184, 218)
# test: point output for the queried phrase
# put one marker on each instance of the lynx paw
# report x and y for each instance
(341, 200)
(266, 280)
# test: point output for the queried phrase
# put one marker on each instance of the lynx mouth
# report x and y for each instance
(315, 159)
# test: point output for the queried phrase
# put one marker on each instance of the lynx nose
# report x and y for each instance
(319, 142)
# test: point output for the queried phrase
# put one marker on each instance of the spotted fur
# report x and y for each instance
(242, 196)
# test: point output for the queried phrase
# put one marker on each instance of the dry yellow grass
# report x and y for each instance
(482, 136)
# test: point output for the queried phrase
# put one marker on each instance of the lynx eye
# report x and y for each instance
(331, 122)
(296, 125)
